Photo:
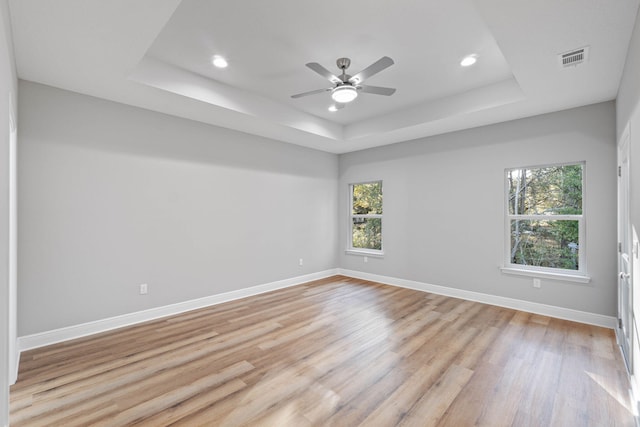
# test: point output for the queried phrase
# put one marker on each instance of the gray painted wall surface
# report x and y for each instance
(628, 100)
(112, 196)
(8, 89)
(444, 205)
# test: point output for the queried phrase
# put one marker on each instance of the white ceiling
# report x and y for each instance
(156, 54)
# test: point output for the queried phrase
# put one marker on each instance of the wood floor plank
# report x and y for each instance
(332, 352)
(434, 402)
(159, 403)
(180, 410)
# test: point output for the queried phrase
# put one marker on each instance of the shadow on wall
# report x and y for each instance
(54, 116)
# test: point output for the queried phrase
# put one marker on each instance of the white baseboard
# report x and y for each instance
(516, 304)
(13, 369)
(41, 339)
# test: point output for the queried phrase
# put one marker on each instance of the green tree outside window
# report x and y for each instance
(366, 216)
(545, 216)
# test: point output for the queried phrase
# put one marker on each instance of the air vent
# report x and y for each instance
(574, 57)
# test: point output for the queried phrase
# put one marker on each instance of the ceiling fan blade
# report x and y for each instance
(375, 68)
(324, 72)
(377, 90)
(311, 92)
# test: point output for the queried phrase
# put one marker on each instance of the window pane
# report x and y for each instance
(367, 233)
(367, 198)
(553, 190)
(548, 243)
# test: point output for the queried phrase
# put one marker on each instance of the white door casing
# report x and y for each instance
(625, 270)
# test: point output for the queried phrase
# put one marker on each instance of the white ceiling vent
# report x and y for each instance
(574, 57)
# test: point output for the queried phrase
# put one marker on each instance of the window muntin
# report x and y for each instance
(366, 217)
(545, 218)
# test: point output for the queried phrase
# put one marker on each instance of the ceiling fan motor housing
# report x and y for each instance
(343, 63)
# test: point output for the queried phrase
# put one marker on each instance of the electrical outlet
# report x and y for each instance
(144, 288)
(536, 283)
(300, 261)
(366, 259)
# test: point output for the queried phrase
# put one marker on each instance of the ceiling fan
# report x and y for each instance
(346, 87)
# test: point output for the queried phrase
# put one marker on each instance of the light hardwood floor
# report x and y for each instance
(335, 352)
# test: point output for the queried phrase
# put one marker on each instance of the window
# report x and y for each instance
(545, 219)
(366, 217)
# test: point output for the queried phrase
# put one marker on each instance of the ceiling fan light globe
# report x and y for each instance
(344, 94)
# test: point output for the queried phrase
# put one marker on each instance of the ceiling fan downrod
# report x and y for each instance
(343, 64)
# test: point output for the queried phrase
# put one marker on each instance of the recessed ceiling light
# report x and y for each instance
(469, 60)
(333, 108)
(220, 62)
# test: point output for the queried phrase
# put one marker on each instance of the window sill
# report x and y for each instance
(546, 275)
(365, 252)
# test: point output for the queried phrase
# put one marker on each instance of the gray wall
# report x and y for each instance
(8, 87)
(112, 196)
(444, 202)
(628, 100)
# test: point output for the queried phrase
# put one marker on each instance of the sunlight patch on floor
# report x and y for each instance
(606, 385)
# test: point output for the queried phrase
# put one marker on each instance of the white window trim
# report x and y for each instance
(569, 276)
(579, 275)
(363, 251)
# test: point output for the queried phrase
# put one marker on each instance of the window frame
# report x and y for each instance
(579, 275)
(364, 251)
